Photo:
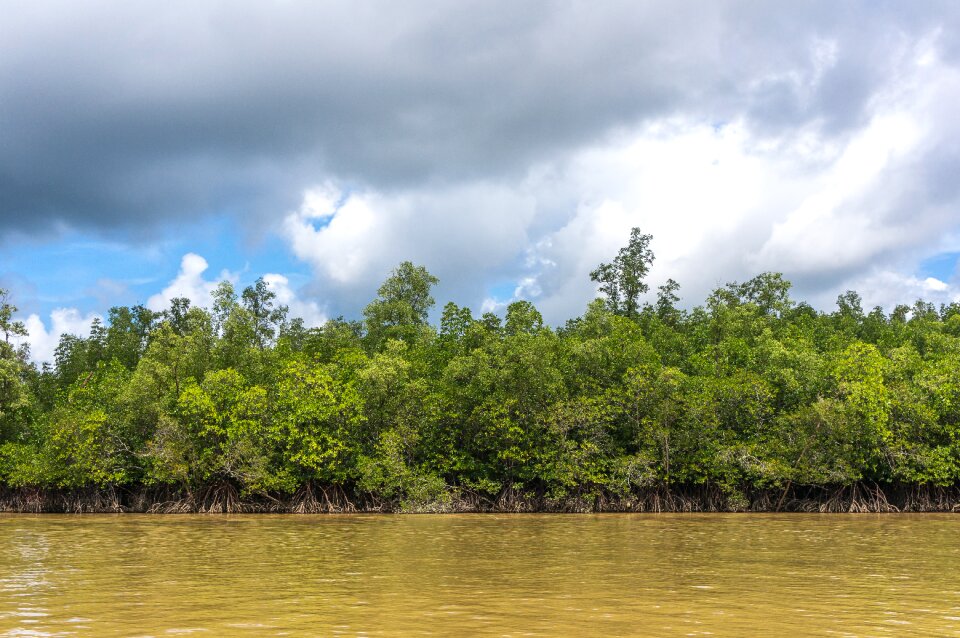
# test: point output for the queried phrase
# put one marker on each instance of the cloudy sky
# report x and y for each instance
(149, 150)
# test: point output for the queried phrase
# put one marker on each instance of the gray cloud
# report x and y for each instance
(121, 115)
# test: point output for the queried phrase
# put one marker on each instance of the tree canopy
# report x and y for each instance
(751, 392)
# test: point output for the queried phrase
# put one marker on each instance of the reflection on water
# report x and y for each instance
(517, 575)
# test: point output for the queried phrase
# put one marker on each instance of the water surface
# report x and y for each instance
(480, 575)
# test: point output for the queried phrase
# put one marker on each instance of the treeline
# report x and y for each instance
(751, 400)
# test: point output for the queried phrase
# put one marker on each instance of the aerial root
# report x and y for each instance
(224, 497)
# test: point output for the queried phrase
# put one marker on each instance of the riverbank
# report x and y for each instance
(225, 499)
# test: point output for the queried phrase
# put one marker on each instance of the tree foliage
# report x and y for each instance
(750, 390)
(622, 280)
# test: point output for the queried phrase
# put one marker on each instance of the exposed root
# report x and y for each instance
(223, 497)
(310, 499)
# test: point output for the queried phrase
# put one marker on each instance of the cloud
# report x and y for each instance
(888, 289)
(43, 342)
(128, 117)
(506, 147)
(311, 313)
(721, 203)
(722, 206)
(189, 283)
(464, 234)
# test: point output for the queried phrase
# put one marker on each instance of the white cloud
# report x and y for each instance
(723, 205)
(189, 283)
(311, 313)
(693, 186)
(343, 246)
(932, 284)
(43, 342)
(721, 201)
(827, 229)
(888, 288)
(461, 234)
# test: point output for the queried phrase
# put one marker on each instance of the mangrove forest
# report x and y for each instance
(750, 401)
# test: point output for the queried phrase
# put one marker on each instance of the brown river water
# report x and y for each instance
(480, 575)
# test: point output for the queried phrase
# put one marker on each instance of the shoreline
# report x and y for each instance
(224, 499)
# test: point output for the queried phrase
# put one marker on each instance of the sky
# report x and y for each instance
(149, 150)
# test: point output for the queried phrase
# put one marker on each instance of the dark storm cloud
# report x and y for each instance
(122, 114)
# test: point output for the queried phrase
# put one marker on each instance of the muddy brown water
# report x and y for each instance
(480, 575)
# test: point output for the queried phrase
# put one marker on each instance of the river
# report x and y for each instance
(480, 575)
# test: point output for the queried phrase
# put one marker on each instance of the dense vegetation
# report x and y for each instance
(751, 397)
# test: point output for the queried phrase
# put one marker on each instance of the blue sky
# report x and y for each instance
(86, 270)
(942, 266)
(150, 150)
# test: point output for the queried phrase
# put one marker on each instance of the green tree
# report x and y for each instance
(402, 305)
(318, 423)
(87, 439)
(622, 279)
(128, 333)
(267, 317)
(14, 394)
(667, 302)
